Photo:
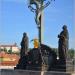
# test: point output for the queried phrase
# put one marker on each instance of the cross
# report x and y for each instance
(39, 14)
(40, 6)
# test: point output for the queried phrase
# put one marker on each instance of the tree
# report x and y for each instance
(71, 53)
(1, 49)
(5, 50)
(10, 51)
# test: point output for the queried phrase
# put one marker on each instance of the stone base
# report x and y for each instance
(69, 65)
(25, 72)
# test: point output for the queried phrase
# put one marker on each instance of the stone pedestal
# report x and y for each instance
(25, 72)
(69, 65)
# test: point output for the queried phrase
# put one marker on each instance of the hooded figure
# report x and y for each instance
(63, 43)
(24, 44)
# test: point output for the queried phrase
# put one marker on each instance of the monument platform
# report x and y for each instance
(27, 72)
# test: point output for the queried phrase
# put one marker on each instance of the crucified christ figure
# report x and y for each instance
(38, 10)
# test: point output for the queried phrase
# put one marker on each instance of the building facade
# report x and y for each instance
(12, 47)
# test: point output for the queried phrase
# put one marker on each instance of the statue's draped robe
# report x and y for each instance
(24, 45)
(63, 44)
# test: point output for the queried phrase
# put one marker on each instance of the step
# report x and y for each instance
(26, 72)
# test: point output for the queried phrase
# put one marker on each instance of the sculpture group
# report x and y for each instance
(45, 56)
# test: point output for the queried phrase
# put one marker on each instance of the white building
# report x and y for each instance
(12, 47)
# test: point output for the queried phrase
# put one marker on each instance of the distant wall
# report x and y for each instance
(22, 72)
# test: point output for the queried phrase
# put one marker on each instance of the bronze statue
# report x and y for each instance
(63, 43)
(24, 44)
(38, 10)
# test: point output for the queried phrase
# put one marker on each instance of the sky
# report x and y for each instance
(16, 18)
